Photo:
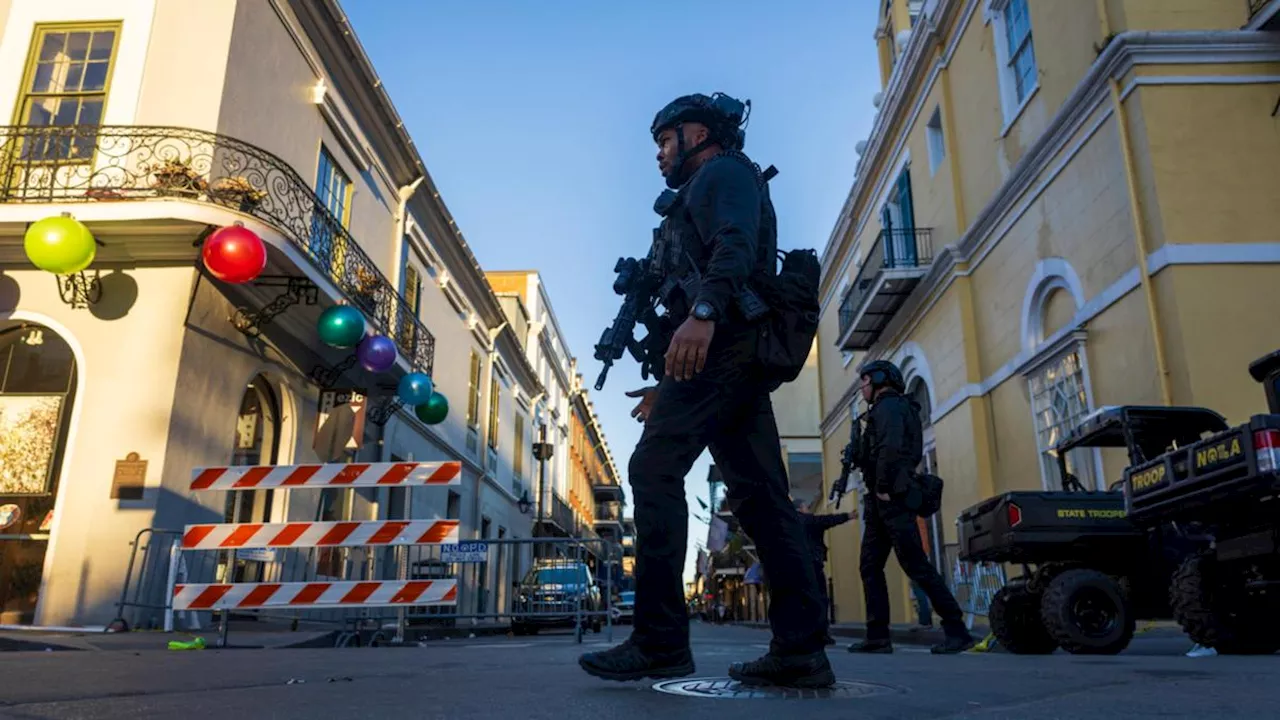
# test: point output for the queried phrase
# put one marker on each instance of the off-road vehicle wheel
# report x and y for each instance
(1215, 611)
(1086, 612)
(1015, 621)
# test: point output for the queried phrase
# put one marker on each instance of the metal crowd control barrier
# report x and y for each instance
(569, 583)
(313, 593)
(974, 585)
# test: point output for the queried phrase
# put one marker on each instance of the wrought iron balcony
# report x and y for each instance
(118, 163)
(560, 513)
(607, 491)
(893, 267)
(608, 513)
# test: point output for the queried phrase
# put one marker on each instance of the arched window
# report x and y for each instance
(1057, 372)
(38, 378)
(919, 392)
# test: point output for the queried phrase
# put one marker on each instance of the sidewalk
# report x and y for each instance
(277, 637)
(902, 634)
(241, 635)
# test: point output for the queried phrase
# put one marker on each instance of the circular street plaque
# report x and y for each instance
(723, 688)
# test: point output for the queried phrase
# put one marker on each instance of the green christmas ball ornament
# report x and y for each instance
(341, 326)
(434, 410)
(61, 245)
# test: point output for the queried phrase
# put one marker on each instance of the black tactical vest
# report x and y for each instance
(680, 256)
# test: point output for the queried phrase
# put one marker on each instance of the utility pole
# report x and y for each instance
(542, 451)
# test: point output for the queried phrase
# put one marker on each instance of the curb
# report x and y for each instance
(414, 634)
(322, 640)
(10, 644)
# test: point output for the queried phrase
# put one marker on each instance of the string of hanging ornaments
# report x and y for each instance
(64, 246)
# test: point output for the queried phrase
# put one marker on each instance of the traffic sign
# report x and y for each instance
(467, 552)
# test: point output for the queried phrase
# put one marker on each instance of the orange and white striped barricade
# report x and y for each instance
(224, 597)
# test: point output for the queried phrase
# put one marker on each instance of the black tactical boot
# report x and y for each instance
(872, 646)
(954, 644)
(628, 662)
(797, 671)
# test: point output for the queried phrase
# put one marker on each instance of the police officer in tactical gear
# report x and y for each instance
(892, 446)
(815, 528)
(717, 234)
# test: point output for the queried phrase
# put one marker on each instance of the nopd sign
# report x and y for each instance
(468, 552)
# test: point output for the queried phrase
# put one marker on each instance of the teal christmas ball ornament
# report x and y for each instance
(415, 388)
(341, 326)
(434, 410)
(60, 244)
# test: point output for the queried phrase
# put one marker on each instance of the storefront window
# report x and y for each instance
(37, 388)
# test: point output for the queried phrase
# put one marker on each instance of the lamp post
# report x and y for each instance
(542, 451)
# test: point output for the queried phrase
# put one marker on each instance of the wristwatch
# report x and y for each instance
(703, 311)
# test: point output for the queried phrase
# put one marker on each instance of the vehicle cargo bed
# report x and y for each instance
(1223, 475)
(1037, 527)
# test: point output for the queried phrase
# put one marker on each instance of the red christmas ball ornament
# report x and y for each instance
(234, 254)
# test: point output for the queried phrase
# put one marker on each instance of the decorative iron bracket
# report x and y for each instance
(327, 377)
(80, 290)
(385, 410)
(296, 290)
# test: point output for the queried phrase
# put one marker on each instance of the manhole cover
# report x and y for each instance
(727, 688)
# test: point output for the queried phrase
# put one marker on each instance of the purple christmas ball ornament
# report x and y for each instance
(376, 353)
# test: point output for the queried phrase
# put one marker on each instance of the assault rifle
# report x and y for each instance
(848, 461)
(638, 286)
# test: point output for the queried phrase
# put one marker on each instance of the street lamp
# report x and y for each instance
(524, 504)
(542, 452)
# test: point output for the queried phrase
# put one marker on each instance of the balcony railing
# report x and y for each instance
(561, 513)
(111, 163)
(608, 512)
(895, 249)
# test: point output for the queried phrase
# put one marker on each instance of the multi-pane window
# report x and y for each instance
(473, 392)
(1059, 403)
(517, 461)
(494, 390)
(411, 290)
(1021, 52)
(65, 85)
(333, 189)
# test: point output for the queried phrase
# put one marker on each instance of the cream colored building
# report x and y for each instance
(581, 493)
(279, 94)
(1061, 206)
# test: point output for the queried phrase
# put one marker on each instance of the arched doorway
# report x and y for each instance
(931, 532)
(257, 442)
(37, 389)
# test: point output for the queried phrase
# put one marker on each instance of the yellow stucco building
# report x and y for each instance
(1061, 206)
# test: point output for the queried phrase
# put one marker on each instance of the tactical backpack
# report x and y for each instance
(787, 331)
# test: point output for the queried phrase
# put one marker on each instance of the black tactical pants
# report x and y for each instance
(726, 409)
(821, 573)
(890, 527)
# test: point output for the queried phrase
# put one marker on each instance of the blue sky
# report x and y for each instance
(533, 119)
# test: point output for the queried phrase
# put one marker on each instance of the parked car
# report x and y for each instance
(555, 594)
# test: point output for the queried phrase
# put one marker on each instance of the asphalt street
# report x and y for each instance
(538, 677)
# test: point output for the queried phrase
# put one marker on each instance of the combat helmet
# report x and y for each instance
(883, 374)
(724, 117)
